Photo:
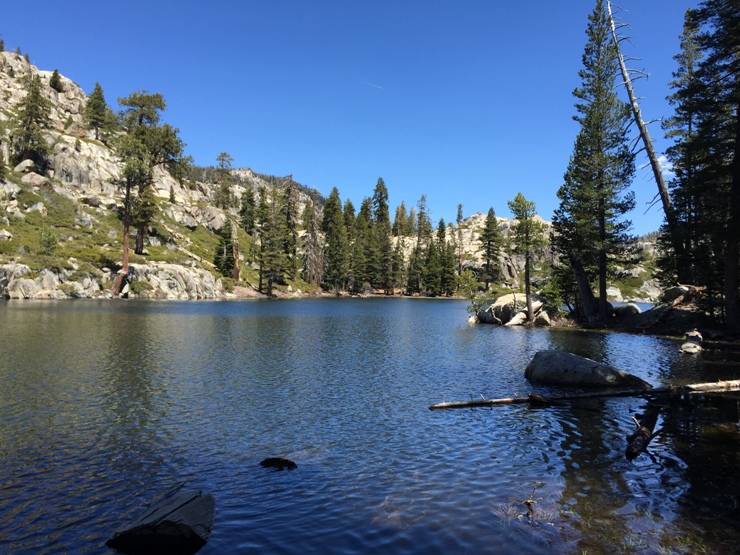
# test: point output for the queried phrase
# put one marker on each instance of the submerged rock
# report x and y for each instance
(562, 368)
(279, 462)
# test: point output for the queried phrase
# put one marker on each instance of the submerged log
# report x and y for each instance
(176, 522)
(540, 400)
(638, 441)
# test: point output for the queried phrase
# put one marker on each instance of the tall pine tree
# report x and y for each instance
(527, 236)
(145, 146)
(31, 122)
(593, 197)
(491, 240)
(337, 249)
(719, 129)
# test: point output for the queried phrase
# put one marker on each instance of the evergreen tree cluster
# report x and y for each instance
(705, 157)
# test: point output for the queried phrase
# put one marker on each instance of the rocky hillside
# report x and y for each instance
(60, 233)
(79, 203)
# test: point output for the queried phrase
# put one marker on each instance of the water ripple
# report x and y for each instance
(120, 401)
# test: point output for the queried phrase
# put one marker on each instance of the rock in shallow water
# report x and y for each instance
(562, 368)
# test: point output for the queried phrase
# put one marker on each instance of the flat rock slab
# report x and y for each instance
(562, 368)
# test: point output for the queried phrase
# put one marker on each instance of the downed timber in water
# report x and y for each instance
(540, 400)
(176, 522)
(638, 441)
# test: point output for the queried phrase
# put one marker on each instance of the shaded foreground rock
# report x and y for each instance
(562, 368)
(177, 522)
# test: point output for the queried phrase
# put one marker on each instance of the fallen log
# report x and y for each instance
(176, 522)
(535, 399)
(638, 441)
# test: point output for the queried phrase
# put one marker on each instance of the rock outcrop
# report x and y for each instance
(156, 280)
(172, 281)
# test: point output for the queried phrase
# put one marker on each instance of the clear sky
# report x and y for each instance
(465, 101)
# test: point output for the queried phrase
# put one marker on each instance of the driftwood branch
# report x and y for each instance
(540, 400)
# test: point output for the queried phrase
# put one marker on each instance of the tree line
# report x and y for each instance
(332, 245)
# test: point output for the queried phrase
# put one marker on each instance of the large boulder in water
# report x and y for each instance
(507, 307)
(562, 368)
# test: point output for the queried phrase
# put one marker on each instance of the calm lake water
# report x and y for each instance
(105, 405)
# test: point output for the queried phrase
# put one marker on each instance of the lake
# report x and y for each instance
(106, 404)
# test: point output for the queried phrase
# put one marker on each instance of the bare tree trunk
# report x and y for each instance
(140, 234)
(126, 225)
(665, 197)
(528, 287)
(236, 272)
(588, 303)
(119, 279)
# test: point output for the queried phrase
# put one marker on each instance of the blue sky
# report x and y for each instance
(465, 102)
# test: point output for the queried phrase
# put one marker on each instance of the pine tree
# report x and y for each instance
(399, 264)
(433, 271)
(337, 257)
(527, 236)
(145, 146)
(55, 82)
(272, 258)
(350, 219)
(424, 222)
(313, 266)
(382, 237)
(459, 245)
(446, 260)
(223, 192)
(247, 211)
(224, 259)
(366, 251)
(289, 207)
(593, 197)
(719, 131)
(96, 114)
(32, 120)
(400, 220)
(411, 224)
(686, 190)
(262, 214)
(360, 261)
(415, 271)
(491, 240)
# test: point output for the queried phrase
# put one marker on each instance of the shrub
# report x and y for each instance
(47, 241)
(139, 287)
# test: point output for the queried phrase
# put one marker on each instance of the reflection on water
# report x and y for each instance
(106, 404)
